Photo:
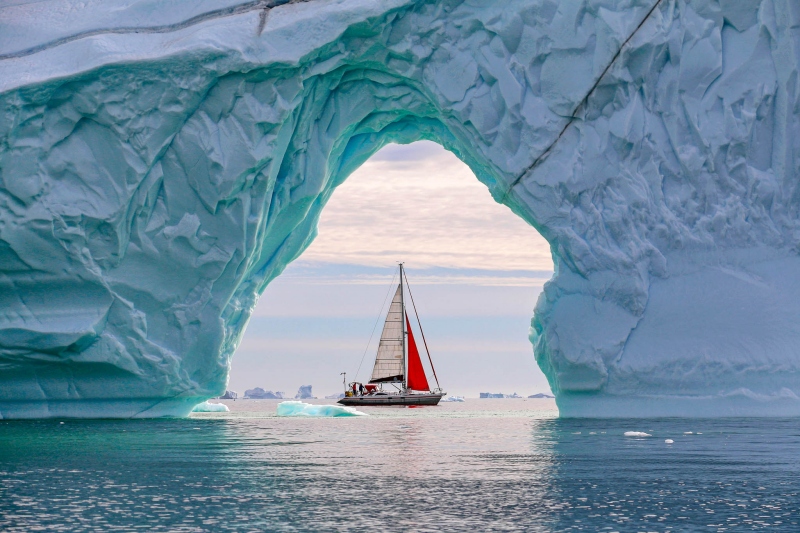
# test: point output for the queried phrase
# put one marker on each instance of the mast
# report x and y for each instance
(405, 333)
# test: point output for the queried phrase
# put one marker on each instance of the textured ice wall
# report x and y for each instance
(161, 163)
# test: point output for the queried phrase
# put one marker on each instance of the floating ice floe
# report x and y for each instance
(294, 408)
(207, 407)
(637, 434)
(453, 399)
(669, 441)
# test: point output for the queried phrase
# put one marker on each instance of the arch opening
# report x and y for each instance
(476, 269)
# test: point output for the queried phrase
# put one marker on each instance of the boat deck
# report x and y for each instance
(392, 399)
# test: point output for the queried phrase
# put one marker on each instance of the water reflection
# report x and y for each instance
(401, 471)
(716, 475)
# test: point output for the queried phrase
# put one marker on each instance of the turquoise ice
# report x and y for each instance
(161, 163)
(210, 407)
(295, 408)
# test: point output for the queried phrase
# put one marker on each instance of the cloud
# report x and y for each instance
(354, 295)
(406, 153)
(419, 204)
(320, 273)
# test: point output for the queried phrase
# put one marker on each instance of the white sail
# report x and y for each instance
(389, 361)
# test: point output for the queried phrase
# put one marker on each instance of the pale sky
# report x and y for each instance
(420, 204)
(475, 270)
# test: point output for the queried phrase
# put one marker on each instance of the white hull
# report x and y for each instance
(393, 399)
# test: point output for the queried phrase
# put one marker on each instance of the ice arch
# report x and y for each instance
(159, 165)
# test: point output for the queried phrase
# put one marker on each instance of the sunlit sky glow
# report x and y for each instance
(420, 204)
(476, 270)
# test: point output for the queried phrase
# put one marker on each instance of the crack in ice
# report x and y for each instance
(258, 5)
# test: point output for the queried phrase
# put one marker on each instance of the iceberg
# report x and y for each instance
(453, 399)
(160, 164)
(334, 396)
(260, 394)
(208, 407)
(304, 393)
(294, 408)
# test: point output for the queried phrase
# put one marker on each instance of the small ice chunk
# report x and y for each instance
(207, 407)
(687, 433)
(295, 408)
(669, 441)
(637, 434)
(453, 399)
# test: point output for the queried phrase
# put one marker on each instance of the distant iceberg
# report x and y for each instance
(334, 396)
(499, 395)
(304, 393)
(541, 395)
(453, 399)
(260, 394)
(229, 395)
(294, 408)
(207, 407)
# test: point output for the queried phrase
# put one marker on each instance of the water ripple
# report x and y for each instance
(460, 468)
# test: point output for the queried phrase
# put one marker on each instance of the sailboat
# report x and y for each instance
(397, 363)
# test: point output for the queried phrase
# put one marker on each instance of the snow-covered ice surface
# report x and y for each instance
(294, 408)
(161, 163)
(208, 407)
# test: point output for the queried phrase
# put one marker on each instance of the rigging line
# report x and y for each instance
(581, 105)
(408, 286)
(380, 313)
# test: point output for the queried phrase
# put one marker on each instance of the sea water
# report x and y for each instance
(481, 465)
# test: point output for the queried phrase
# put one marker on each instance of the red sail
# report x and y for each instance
(415, 374)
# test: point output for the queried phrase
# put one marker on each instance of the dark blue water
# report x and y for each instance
(486, 465)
